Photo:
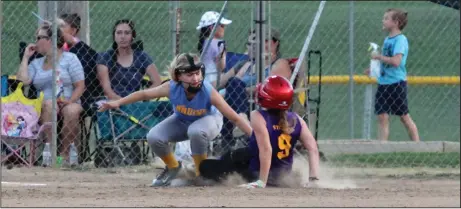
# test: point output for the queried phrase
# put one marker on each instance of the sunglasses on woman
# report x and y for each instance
(42, 37)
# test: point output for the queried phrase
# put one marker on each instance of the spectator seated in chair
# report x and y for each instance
(121, 69)
(71, 85)
(70, 27)
(239, 88)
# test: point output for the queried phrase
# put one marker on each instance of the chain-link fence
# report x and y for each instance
(348, 111)
(340, 41)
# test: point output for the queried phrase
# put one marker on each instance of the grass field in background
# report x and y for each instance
(433, 33)
(397, 160)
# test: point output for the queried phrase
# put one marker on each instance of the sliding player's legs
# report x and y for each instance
(236, 161)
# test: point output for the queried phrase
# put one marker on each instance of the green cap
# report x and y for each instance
(274, 33)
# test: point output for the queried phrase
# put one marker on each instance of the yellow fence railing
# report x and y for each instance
(363, 79)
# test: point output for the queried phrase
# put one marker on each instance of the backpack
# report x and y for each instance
(20, 115)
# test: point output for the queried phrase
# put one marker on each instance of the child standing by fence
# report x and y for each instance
(391, 96)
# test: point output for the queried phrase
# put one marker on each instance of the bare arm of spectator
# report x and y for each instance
(78, 91)
(151, 69)
(221, 57)
(281, 68)
(103, 76)
(243, 70)
(221, 63)
(25, 70)
(238, 70)
(223, 80)
(77, 76)
(103, 62)
(153, 74)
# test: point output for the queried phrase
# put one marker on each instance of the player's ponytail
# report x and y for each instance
(286, 124)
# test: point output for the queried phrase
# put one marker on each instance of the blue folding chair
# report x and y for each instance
(233, 58)
(130, 123)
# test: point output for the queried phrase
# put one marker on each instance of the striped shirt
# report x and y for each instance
(71, 71)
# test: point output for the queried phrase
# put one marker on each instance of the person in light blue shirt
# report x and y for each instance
(393, 46)
(391, 96)
(39, 74)
(197, 114)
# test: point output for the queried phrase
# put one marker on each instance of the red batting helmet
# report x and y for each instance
(276, 92)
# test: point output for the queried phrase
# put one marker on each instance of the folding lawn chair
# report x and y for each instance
(86, 100)
(129, 123)
(19, 126)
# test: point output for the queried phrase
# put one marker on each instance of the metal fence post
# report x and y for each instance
(260, 39)
(54, 114)
(351, 69)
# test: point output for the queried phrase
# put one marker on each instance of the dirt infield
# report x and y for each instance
(130, 188)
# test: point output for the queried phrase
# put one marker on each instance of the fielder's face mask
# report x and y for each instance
(191, 68)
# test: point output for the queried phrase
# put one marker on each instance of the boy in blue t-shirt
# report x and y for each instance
(391, 96)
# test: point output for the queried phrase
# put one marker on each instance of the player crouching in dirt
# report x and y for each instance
(198, 113)
(269, 155)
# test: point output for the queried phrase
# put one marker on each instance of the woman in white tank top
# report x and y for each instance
(214, 58)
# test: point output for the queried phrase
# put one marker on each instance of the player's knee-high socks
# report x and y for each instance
(197, 160)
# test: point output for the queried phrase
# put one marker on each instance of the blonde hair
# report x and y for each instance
(287, 125)
(180, 61)
(400, 16)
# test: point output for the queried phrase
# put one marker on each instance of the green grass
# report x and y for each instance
(398, 160)
(432, 30)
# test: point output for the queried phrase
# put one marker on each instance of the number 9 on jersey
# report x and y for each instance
(284, 142)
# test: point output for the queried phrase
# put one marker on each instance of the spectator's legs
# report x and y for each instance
(70, 128)
(400, 107)
(382, 109)
(410, 126)
(46, 117)
(383, 120)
